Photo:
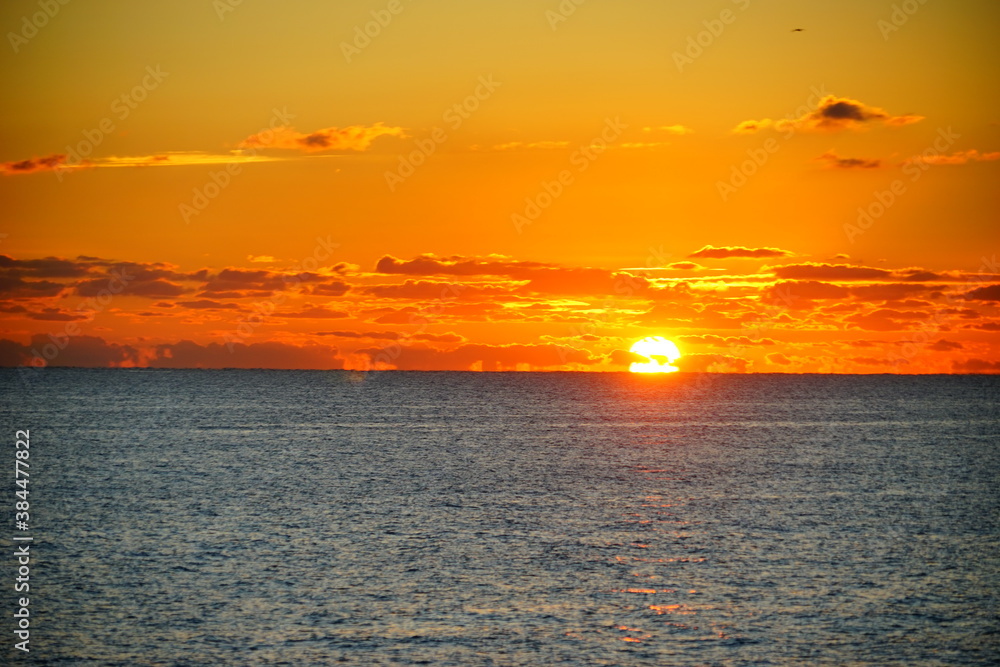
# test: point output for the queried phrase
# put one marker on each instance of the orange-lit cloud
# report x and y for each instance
(833, 114)
(352, 138)
(512, 145)
(670, 129)
(711, 252)
(960, 157)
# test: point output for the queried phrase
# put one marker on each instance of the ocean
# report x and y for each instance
(241, 517)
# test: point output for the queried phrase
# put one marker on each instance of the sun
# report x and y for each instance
(660, 352)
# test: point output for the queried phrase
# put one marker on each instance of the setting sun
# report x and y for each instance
(660, 352)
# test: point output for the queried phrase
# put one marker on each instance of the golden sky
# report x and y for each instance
(527, 184)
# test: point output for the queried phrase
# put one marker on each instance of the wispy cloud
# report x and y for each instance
(834, 161)
(959, 157)
(351, 138)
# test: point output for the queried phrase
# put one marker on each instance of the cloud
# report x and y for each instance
(791, 291)
(885, 319)
(373, 335)
(712, 363)
(544, 145)
(237, 283)
(779, 359)
(542, 278)
(959, 157)
(431, 265)
(56, 315)
(14, 287)
(427, 290)
(188, 354)
(719, 341)
(984, 326)
(352, 138)
(685, 266)
(332, 288)
(836, 162)
(975, 366)
(76, 351)
(207, 304)
(945, 346)
(482, 357)
(625, 358)
(168, 159)
(47, 163)
(820, 271)
(986, 293)
(833, 114)
(315, 313)
(152, 289)
(887, 291)
(670, 129)
(874, 361)
(438, 338)
(723, 252)
(47, 267)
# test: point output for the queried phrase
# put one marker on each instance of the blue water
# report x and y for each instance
(284, 517)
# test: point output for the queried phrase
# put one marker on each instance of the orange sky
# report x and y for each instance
(529, 185)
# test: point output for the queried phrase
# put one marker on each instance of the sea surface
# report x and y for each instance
(307, 518)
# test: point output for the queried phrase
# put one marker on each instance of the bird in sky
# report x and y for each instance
(798, 29)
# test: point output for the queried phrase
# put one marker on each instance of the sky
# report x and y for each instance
(774, 186)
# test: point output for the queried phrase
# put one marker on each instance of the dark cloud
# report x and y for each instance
(427, 290)
(315, 313)
(207, 304)
(821, 271)
(985, 293)
(832, 114)
(188, 354)
(47, 163)
(835, 161)
(481, 357)
(431, 265)
(13, 287)
(373, 335)
(945, 346)
(73, 351)
(975, 366)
